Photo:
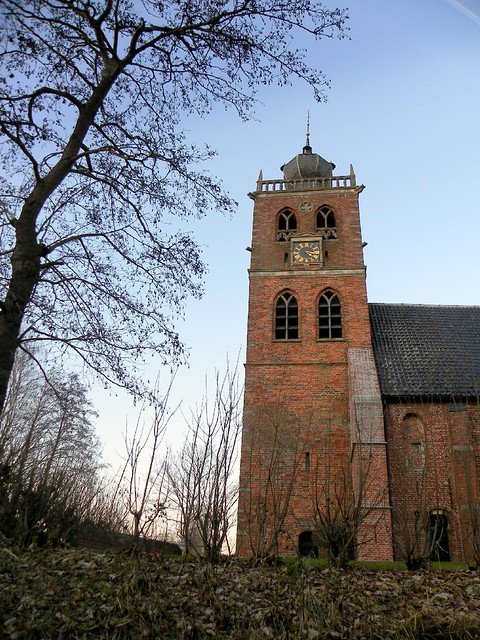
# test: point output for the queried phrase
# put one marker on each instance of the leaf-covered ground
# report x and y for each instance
(72, 593)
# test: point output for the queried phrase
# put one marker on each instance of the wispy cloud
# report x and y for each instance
(465, 10)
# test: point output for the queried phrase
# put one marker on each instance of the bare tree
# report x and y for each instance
(50, 469)
(142, 483)
(413, 537)
(418, 530)
(202, 475)
(345, 496)
(95, 168)
(466, 477)
(273, 459)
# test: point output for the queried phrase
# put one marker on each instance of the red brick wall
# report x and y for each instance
(297, 392)
(345, 251)
(302, 400)
(442, 477)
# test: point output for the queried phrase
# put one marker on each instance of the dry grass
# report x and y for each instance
(73, 593)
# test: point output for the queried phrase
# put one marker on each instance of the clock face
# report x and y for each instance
(306, 251)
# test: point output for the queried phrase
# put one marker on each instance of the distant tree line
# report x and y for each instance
(55, 489)
(50, 466)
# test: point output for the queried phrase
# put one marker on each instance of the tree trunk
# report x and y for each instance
(25, 275)
(26, 257)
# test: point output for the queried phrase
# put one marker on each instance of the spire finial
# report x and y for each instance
(307, 148)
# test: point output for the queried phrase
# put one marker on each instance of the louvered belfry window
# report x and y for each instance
(326, 223)
(287, 224)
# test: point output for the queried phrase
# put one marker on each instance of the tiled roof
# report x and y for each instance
(427, 351)
(307, 165)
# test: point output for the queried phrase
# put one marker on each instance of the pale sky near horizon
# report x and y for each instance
(404, 109)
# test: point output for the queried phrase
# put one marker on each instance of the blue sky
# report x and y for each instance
(404, 109)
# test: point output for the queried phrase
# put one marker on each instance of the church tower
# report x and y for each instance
(313, 448)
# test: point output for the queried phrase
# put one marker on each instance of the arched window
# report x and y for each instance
(306, 545)
(329, 316)
(286, 317)
(414, 434)
(326, 223)
(287, 223)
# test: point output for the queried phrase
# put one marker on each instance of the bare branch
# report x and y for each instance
(91, 105)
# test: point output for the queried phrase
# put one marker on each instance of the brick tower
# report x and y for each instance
(313, 455)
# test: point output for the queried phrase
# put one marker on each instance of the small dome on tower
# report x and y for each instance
(307, 165)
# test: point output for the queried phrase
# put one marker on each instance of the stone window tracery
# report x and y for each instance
(286, 317)
(329, 316)
(326, 223)
(286, 225)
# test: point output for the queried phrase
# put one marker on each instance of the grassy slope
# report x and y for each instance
(84, 594)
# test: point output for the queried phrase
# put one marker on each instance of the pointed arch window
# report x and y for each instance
(286, 317)
(329, 316)
(286, 225)
(414, 433)
(326, 223)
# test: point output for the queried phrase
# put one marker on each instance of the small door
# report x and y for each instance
(439, 548)
(306, 548)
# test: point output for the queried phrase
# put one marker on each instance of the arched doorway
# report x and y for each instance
(306, 547)
(439, 546)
